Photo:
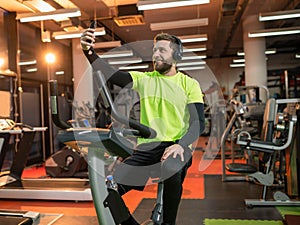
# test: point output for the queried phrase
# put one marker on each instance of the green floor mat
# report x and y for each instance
(290, 210)
(241, 222)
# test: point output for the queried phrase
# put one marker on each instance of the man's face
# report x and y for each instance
(162, 56)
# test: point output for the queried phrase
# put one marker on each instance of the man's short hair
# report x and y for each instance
(175, 44)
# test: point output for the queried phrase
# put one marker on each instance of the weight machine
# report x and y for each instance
(245, 113)
(278, 133)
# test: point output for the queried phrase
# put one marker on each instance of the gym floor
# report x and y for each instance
(203, 182)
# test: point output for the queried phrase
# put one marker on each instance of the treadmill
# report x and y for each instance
(9, 217)
(12, 186)
(13, 217)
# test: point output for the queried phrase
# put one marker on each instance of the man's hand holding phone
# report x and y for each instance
(87, 38)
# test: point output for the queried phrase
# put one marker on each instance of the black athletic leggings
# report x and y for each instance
(134, 172)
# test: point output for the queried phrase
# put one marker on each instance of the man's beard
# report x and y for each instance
(163, 68)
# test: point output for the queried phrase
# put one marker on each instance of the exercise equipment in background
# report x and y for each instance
(13, 186)
(277, 136)
(66, 163)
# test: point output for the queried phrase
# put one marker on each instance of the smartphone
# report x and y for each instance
(93, 24)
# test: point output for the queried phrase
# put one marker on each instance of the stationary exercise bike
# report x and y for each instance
(104, 145)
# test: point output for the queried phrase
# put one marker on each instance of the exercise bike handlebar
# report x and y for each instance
(138, 128)
(54, 106)
(143, 131)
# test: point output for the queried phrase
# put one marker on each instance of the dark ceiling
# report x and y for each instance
(224, 28)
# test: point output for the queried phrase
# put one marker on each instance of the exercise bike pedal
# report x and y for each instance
(157, 215)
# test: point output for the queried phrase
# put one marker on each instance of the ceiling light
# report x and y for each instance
(270, 51)
(240, 53)
(61, 72)
(179, 24)
(192, 68)
(53, 15)
(194, 57)
(279, 15)
(238, 65)
(193, 38)
(238, 60)
(274, 32)
(50, 58)
(145, 66)
(116, 54)
(159, 4)
(1, 62)
(125, 61)
(195, 49)
(107, 44)
(76, 34)
(31, 70)
(267, 52)
(195, 63)
(26, 63)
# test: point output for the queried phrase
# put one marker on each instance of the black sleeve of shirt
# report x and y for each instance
(120, 78)
(196, 124)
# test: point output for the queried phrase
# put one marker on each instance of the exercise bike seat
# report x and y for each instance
(114, 143)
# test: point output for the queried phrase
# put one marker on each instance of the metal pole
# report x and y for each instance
(49, 109)
(43, 122)
(286, 82)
